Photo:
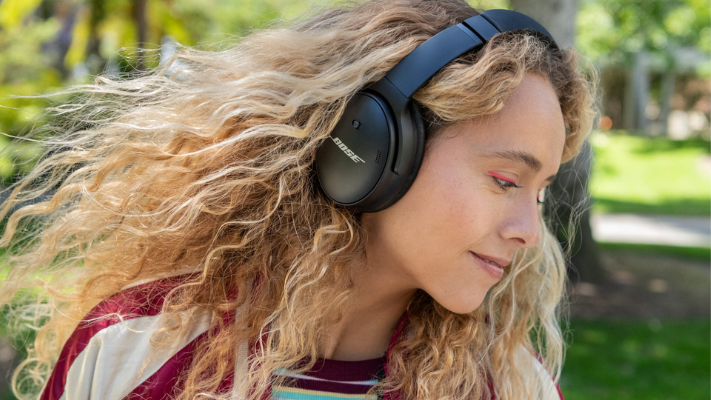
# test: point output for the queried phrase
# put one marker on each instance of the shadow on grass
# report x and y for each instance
(644, 332)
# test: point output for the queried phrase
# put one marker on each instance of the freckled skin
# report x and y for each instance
(453, 207)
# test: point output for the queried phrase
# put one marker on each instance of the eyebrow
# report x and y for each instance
(521, 157)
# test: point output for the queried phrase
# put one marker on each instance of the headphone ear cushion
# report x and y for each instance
(412, 122)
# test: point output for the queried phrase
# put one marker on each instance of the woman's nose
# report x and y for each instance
(522, 225)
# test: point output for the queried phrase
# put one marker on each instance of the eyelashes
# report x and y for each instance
(506, 184)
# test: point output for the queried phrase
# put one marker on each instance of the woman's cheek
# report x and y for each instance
(478, 208)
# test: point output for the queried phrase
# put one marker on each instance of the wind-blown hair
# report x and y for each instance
(203, 167)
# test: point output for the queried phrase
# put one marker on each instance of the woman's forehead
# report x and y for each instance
(529, 128)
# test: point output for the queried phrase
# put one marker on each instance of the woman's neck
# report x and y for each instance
(368, 324)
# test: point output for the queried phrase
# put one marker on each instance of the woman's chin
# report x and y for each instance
(461, 304)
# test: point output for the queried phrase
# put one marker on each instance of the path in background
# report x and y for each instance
(652, 229)
(647, 286)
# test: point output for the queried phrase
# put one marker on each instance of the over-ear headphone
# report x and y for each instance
(375, 151)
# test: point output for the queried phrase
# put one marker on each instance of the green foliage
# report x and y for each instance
(612, 31)
(489, 4)
(651, 360)
(649, 175)
(104, 37)
(14, 12)
(112, 24)
(25, 71)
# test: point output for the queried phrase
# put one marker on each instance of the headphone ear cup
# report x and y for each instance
(356, 165)
(351, 161)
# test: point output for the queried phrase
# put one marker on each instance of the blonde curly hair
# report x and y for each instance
(204, 165)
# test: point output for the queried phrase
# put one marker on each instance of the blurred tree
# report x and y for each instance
(23, 72)
(627, 37)
(557, 16)
(613, 31)
(46, 44)
(66, 14)
(139, 17)
(121, 34)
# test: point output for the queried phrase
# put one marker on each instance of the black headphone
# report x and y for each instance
(376, 148)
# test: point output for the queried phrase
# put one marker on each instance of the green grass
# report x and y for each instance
(694, 253)
(619, 360)
(649, 175)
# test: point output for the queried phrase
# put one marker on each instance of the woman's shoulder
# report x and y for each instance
(104, 356)
(139, 299)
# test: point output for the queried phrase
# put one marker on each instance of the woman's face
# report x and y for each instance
(456, 207)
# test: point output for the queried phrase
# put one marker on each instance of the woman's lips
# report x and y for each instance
(489, 266)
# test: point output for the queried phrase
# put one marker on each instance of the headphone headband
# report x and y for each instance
(427, 59)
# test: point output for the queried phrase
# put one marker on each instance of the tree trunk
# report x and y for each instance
(570, 197)
(636, 94)
(557, 16)
(668, 82)
(93, 58)
(568, 214)
(66, 15)
(139, 17)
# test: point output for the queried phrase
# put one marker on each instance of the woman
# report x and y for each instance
(190, 250)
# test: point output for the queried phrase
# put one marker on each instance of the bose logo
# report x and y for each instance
(353, 156)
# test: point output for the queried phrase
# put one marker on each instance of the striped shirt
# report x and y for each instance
(331, 380)
(103, 359)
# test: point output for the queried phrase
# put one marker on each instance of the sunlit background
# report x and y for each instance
(640, 299)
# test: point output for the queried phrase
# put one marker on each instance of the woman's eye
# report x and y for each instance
(504, 184)
(538, 198)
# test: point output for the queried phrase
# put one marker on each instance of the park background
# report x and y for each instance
(640, 284)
